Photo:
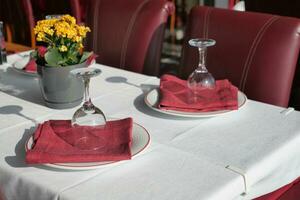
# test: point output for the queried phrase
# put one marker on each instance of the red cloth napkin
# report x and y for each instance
(175, 95)
(56, 141)
(30, 66)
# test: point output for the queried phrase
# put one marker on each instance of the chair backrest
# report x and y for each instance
(18, 21)
(128, 34)
(285, 8)
(256, 52)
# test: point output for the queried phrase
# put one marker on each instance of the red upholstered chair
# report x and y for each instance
(256, 52)
(285, 8)
(128, 34)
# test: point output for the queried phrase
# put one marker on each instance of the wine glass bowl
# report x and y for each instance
(198, 81)
(200, 78)
(88, 114)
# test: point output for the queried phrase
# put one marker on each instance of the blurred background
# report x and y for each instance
(20, 16)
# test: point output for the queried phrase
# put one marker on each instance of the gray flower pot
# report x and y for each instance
(60, 89)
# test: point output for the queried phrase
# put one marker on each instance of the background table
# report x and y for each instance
(187, 158)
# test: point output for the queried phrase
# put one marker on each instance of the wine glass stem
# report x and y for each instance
(87, 105)
(202, 58)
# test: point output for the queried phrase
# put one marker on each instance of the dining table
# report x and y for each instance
(237, 155)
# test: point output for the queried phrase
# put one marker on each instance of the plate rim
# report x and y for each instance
(190, 114)
(21, 70)
(97, 165)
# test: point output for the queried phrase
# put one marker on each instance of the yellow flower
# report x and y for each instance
(63, 48)
(71, 33)
(77, 39)
(62, 28)
(48, 31)
(62, 34)
(40, 37)
(82, 30)
(69, 19)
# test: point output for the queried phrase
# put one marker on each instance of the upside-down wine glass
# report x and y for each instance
(200, 78)
(88, 114)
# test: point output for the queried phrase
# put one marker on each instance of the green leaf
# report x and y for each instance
(63, 62)
(73, 59)
(53, 57)
(84, 56)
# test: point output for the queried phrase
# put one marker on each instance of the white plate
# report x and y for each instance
(152, 98)
(20, 64)
(140, 140)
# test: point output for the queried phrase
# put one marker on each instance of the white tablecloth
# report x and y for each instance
(254, 150)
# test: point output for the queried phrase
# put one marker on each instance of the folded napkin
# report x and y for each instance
(56, 141)
(175, 95)
(30, 66)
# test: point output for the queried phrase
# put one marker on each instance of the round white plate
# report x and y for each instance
(140, 140)
(20, 64)
(152, 98)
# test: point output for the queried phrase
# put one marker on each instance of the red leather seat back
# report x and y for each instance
(286, 8)
(256, 52)
(125, 34)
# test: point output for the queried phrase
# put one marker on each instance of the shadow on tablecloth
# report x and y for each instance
(18, 160)
(15, 110)
(21, 86)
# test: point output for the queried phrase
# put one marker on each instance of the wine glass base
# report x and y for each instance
(202, 42)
